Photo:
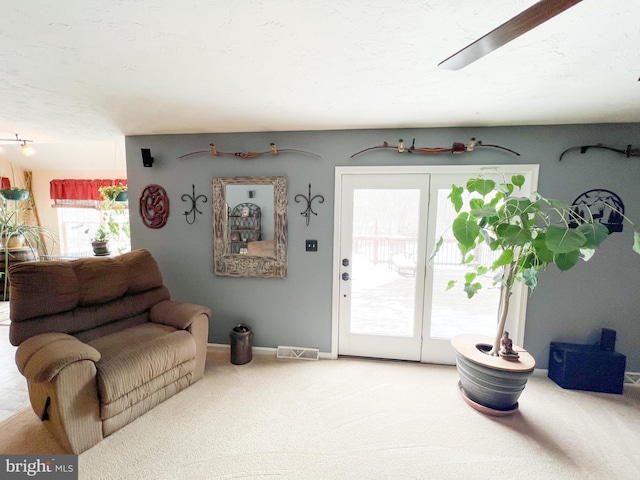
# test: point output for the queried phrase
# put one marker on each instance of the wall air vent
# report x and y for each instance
(299, 353)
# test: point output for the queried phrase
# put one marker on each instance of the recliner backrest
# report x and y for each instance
(83, 294)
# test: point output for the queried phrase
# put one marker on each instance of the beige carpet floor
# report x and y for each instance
(356, 419)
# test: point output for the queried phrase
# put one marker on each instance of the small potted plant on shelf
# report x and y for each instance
(100, 241)
(110, 229)
(527, 234)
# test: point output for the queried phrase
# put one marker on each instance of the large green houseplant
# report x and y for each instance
(17, 236)
(527, 234)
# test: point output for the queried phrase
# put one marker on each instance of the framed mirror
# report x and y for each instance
(250, 226)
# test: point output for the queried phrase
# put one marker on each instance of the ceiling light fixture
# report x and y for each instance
(26, 149)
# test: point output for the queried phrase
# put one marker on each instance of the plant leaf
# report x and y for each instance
(476, 203)
(564, 240)
(518, 206)
(468, 259)
(587, 253)
(451, 284)
(530, 277)
(481, 270)
(595, 234)
(505, 259)
(505, 188)
(636, 242)
(483, 212)
(470, 277)
(472, 289)
(516, 235)
(566, 261)
(480, 185)
(466, 231)
(518, 180)
(540, 247)
(456, 197)
(436, 248)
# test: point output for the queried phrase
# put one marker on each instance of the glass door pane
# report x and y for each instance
(452, 313)
(384, 248)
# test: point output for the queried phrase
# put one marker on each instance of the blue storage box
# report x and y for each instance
(586, 367)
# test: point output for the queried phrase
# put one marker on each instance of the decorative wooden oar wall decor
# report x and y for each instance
(246, 155)
(456, 148)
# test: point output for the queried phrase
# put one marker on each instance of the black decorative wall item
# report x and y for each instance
(627, 152)
(603, 206)
(307, 213)
(191, 214)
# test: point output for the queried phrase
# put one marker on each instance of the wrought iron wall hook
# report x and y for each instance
(627, 152)
(194, 209)
(307, 213)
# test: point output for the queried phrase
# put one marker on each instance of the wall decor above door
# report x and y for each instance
(627, 152)
(456, 148)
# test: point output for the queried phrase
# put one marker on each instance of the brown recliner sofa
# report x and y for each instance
(100, 342)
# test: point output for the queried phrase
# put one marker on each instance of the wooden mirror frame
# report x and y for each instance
(243, 265)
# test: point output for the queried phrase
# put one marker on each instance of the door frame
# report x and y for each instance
(518, 310)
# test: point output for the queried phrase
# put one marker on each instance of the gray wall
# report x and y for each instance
(571, 307)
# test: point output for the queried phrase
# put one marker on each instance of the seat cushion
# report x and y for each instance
(140, 360)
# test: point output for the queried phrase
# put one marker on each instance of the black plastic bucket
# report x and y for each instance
(241, 344)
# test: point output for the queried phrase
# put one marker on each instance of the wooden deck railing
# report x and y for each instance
(380, 249)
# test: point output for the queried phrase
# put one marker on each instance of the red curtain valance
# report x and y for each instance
(71, 189)
(5, 182)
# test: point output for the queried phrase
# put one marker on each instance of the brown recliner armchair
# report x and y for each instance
(100, 342)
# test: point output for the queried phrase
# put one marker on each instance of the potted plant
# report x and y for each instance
(110, 228)
(526, 234)
(14, 193)
(100, 241)
(19, 238)
(114, 193)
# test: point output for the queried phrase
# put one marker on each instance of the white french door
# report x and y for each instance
(382, 273)
(390, 301)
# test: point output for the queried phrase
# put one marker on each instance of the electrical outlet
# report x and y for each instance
(311, 245)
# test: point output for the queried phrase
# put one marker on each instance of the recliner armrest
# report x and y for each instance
(41, 357)
(175, 314)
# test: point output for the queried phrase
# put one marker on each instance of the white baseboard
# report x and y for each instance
(630, 378)
(258, 350)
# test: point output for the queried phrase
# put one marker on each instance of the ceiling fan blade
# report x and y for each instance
(522, 23)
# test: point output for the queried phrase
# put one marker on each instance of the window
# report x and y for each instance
(81, 211)
(77, 225)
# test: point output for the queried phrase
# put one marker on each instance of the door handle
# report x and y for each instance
(345, 276)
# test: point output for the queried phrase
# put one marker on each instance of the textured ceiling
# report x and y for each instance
(88, 73)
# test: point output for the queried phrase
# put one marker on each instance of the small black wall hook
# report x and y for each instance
(194, 209)
(307, 213)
